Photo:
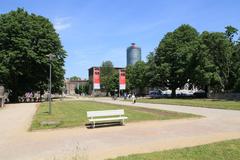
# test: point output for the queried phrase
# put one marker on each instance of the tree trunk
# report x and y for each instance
(173, 94)
(206, 91)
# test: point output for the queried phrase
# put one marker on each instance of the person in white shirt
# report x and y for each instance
(133, 98)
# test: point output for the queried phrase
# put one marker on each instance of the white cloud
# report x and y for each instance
(62, 23)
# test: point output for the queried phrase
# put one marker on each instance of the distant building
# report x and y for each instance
(133, 54)
(70, 85)
(90, 76)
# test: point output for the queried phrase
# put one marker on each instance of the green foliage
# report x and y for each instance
(25, 40)
(153, 77)
(136, 76)
(209, 60)
(3, 72)
(74, 78)
(78, 90)
(219, 52)
(236, 68)
(173, 57)
(109, 77)
(203, 67)
(82, 89)
(114, 81)
(230, 32)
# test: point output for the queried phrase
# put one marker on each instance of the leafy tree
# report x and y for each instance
(77, 90)
(136, 76)
(236, 68)
(73, 78)
(25, 40)
(151, 71)
(3, 73)
(114, 81)
(130, 78)
(173, 57)
(205, 73)
(85, 88)
(82, 88)
(230, 32)
(107, 76)
(212, 62)
(220, 51)
(209, 60)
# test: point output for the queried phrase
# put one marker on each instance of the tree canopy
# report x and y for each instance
(73, 78)
(109, 77)
(231, 32)
(173, 56)
(25, 41)
(218, 52)
(236, 68)
(136, 76)
(209, 60)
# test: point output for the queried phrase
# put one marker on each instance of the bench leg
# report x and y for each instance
(2, 103)
(93, 124)
(123, 122)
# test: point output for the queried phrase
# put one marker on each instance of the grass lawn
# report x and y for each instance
(226, 150)
(208, 103)
(73, 113)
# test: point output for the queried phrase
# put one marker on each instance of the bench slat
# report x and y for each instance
(105, 113)
(107, 119)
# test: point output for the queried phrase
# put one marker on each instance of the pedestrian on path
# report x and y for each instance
(133, 98)
(125, 96)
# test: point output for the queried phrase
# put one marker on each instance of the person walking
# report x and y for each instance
(125, 95)
(133, 98)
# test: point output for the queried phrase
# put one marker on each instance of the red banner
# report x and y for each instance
(96, 78)
(122, 79)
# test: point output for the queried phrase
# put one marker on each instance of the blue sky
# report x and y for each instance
(93, 31)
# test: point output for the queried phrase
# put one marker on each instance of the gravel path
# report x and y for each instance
(17, 143)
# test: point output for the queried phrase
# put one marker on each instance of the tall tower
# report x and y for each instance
(133, 54)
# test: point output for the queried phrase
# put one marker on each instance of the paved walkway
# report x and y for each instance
(16, 143)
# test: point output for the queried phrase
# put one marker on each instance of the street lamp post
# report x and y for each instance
(51, 56)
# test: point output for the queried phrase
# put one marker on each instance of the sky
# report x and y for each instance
(93, 31)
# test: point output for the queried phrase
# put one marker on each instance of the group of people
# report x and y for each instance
(126, 96)
(133, 97)
(30, 97)
(130, 96)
